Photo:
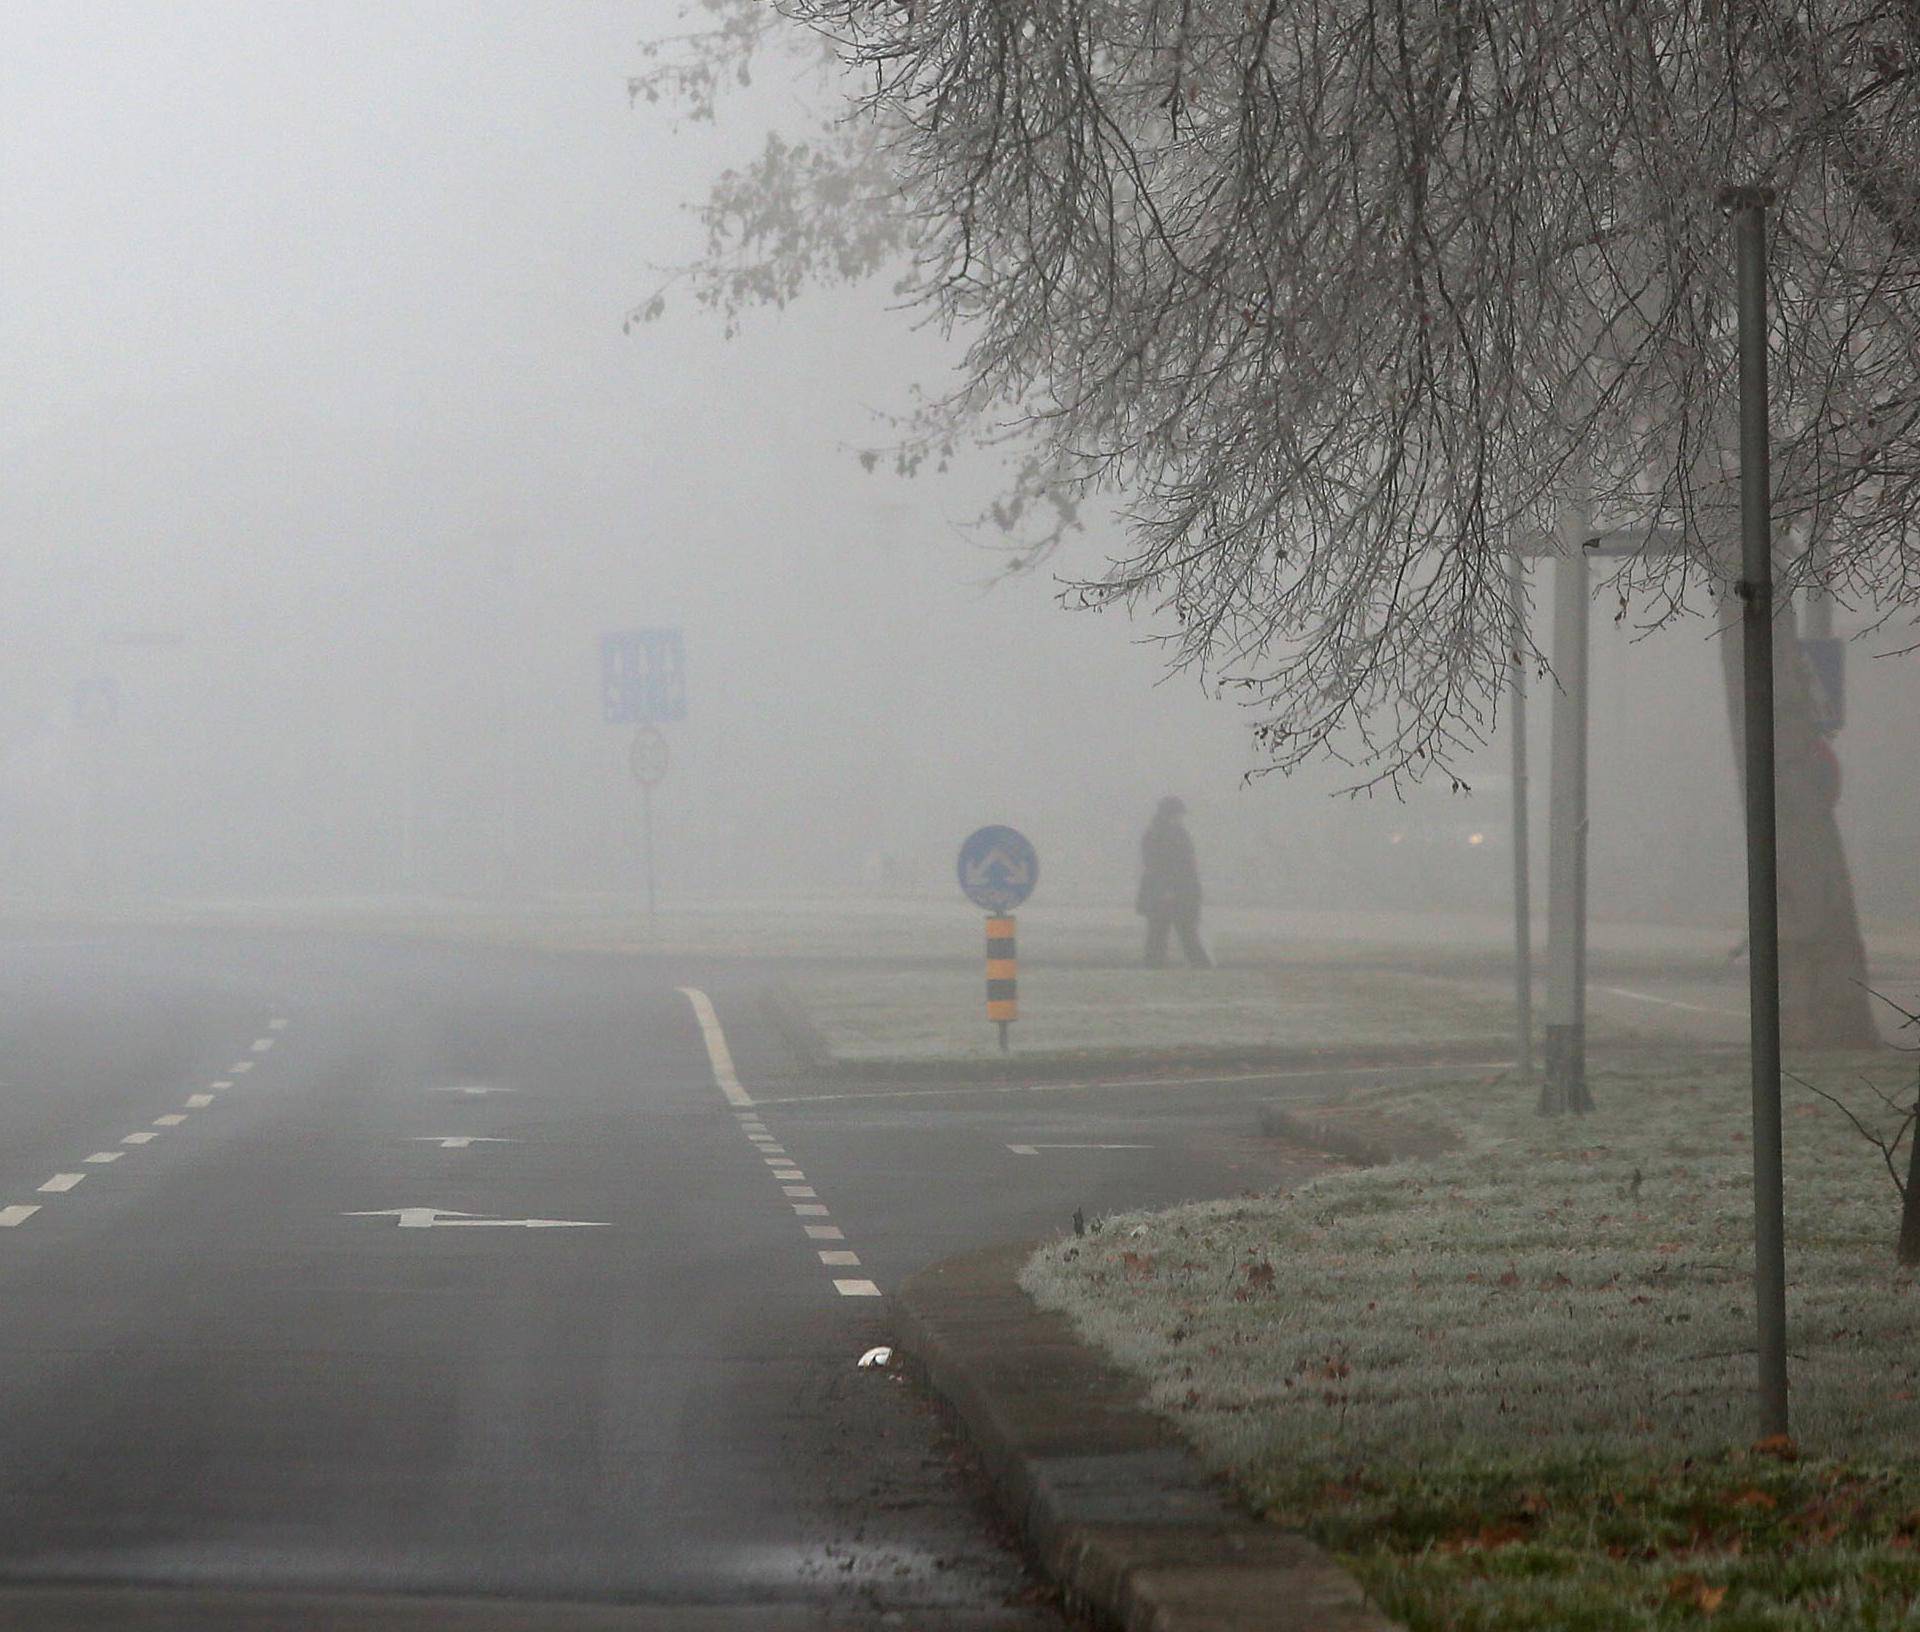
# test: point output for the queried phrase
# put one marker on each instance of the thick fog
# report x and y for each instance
(328, 462)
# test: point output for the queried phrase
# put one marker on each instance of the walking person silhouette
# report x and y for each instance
(1169, 897)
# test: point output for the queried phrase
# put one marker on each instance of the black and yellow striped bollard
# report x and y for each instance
(1003, 983)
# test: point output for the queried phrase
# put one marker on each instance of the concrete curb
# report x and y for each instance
(1326, 1127)
(1112, 1505)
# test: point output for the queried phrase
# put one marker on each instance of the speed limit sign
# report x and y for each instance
(648, 756)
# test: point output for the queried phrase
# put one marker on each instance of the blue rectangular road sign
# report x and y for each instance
(643, 676)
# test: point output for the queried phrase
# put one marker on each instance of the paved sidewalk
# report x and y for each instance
(1112, 1504)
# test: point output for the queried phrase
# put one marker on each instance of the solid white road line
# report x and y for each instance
(105, 1156)
(1671, 1002)
(840, 1260)
(199, 1102)
(144, 1137)
(10, 1217)
(856, 1289)
(62, 1181)
(172, 1120)
(719, 1056)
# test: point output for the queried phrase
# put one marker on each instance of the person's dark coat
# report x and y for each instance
(1169, 872)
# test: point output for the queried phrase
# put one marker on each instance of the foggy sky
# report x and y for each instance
(312, 327)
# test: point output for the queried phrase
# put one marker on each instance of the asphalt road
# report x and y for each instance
(429, 1274)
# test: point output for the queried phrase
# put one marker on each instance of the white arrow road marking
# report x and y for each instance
(438, 1218)
(62, 1181)
(1034, 1150)
(473, 1090)
(459, 1141)
(11, 1217)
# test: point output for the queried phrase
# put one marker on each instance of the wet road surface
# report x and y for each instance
(381, 1269)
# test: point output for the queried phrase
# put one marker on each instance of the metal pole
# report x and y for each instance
(1763, 916)
(1522, 890)
(646, 823)
(1564, 1081)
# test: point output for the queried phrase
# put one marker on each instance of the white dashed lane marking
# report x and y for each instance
(13, 1216)
(780, 1166)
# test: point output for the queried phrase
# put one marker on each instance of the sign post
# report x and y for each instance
(648, 760)
(1749, 207)
(643, 683)
(998, 869)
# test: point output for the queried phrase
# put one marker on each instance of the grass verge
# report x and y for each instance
(1511, 1386)
(880, 1018)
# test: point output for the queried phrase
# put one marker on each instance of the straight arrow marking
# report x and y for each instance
(1034, 1150)
(460, 1141)
(440, 1218)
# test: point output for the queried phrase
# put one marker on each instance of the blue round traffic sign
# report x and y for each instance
(998, 869)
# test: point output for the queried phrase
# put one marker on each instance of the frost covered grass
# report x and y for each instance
(919, 1015)
(1513, 1385)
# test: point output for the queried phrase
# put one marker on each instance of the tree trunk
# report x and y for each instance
(1823, 962)
(1909, 1249)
